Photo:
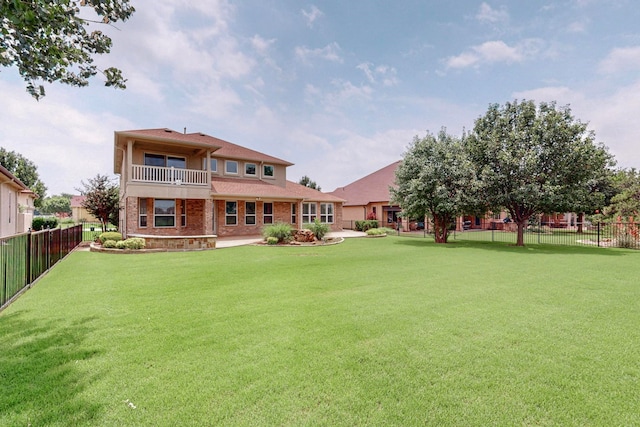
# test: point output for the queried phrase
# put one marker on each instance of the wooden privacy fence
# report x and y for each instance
(26, 257)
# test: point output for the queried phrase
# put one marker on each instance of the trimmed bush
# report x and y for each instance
(110, 235)
(376, 232)
(120, 244)
(109, 244)
(318, 228)
(272, 240)
(364, 225)
(43, 223)
(279, 230)
(134, 243)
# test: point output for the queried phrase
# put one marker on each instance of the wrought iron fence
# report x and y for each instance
(26, 257)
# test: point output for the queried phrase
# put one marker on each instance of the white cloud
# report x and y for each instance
(330, 52)
(383, 74)
(312, 15)
(487, 14)
(621, 59)
(495, 51)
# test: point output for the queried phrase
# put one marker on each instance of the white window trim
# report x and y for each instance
(255, 168)
(145, 214)
(246, 215)
(230, 215)
(212, 161)
(309, 217)
(324, 217)
(163, 215)
(273, 168)
(265, 215)
(226, 167)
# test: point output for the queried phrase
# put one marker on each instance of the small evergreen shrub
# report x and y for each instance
(364, 225)
(279, 230)
(376, 232)
(318, 228)
(120, 244)
(110, 235)
(109, 244)
(44, 223)
(134, 243)
(272, 240)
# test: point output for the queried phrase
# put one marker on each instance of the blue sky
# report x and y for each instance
(337, 88)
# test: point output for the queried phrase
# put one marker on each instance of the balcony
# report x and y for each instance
(171, 175)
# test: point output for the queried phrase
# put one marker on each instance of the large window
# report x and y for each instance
(213, 164)
(294, 209)
(267, 171)
(183, 213)
(250, 213)
(142, 212)
(309, 212)
(164, 213)
(231, 213)
(164, 161)
(326, 213)
(231, 167)
(267, 209)
(250, 169)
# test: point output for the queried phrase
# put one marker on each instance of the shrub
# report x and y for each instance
(318, 228)
(376, 232)
(120, 244)
(279, 230)
(272, 240)
(43, 223)
(364, 225)
(110, 244)
(134, 243)
(110, 235)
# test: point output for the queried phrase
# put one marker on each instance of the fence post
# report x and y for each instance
(29, 256)
(599, 234)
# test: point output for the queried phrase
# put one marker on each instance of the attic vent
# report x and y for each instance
(168, 130)
(202, 134)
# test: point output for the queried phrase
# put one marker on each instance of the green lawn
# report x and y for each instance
(388, 331)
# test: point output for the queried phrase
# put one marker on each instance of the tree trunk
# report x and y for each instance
(440, 229)
(521, 225)
(580, 221)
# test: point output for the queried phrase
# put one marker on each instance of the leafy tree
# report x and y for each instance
(102, 199)
(307, 182)
(534, 159)
(56, 205)
(26, 171)
(48, 40)
(626, 203)
(436, 179)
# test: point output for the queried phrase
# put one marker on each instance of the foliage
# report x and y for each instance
(133, 243)
(110, 244)
(48, 41)
(377, 231)
(434, 179)
(626, 203)
(364, 225)
(56, 205)
(307, 182)
(101, 199)
(25, 170)
(318, 228)
(534, 159)
(110, 235)
(44, 223)
(279, 230)
(272, 240)
(371, 215)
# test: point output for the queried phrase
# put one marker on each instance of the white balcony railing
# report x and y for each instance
(161, 175)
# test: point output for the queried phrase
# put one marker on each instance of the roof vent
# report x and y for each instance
(168, 130)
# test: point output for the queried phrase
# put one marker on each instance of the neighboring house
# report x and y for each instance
(78, 212)
(176, 185)
(368, 198)
(16, 204)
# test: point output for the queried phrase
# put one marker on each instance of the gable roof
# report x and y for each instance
(6, 176)
(371, 188)
(243, 189)
(76, 201)
(220, 147)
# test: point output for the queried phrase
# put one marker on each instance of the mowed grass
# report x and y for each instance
(389, 331)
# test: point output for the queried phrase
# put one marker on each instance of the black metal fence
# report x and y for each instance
(25, 257)
(601, 234)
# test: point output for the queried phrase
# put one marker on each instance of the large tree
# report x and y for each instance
(26, 171)
(435, 179)
(102, 199)
(308, 182)
(60, 205)
(626, 203)
(533, 159)
(50, 41)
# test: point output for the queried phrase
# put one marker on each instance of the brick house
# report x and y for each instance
(16, 204)
(183, 189)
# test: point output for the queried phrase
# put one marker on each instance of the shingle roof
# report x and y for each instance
(76, 201)
(243, 188)
(222, 148)
(372, 188)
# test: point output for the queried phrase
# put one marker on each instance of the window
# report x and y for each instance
(164, 213)
(294, 208)
(142, 212)
(164, 161)
(308, 212)
(250, 169)
(326, 213)
(231, 167)
(231, 213)
(250, 213)
(213, 164)
(267, 210)
(183, 213)
(267, 171)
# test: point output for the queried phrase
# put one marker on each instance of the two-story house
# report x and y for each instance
(16, 204)
(180, 190)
